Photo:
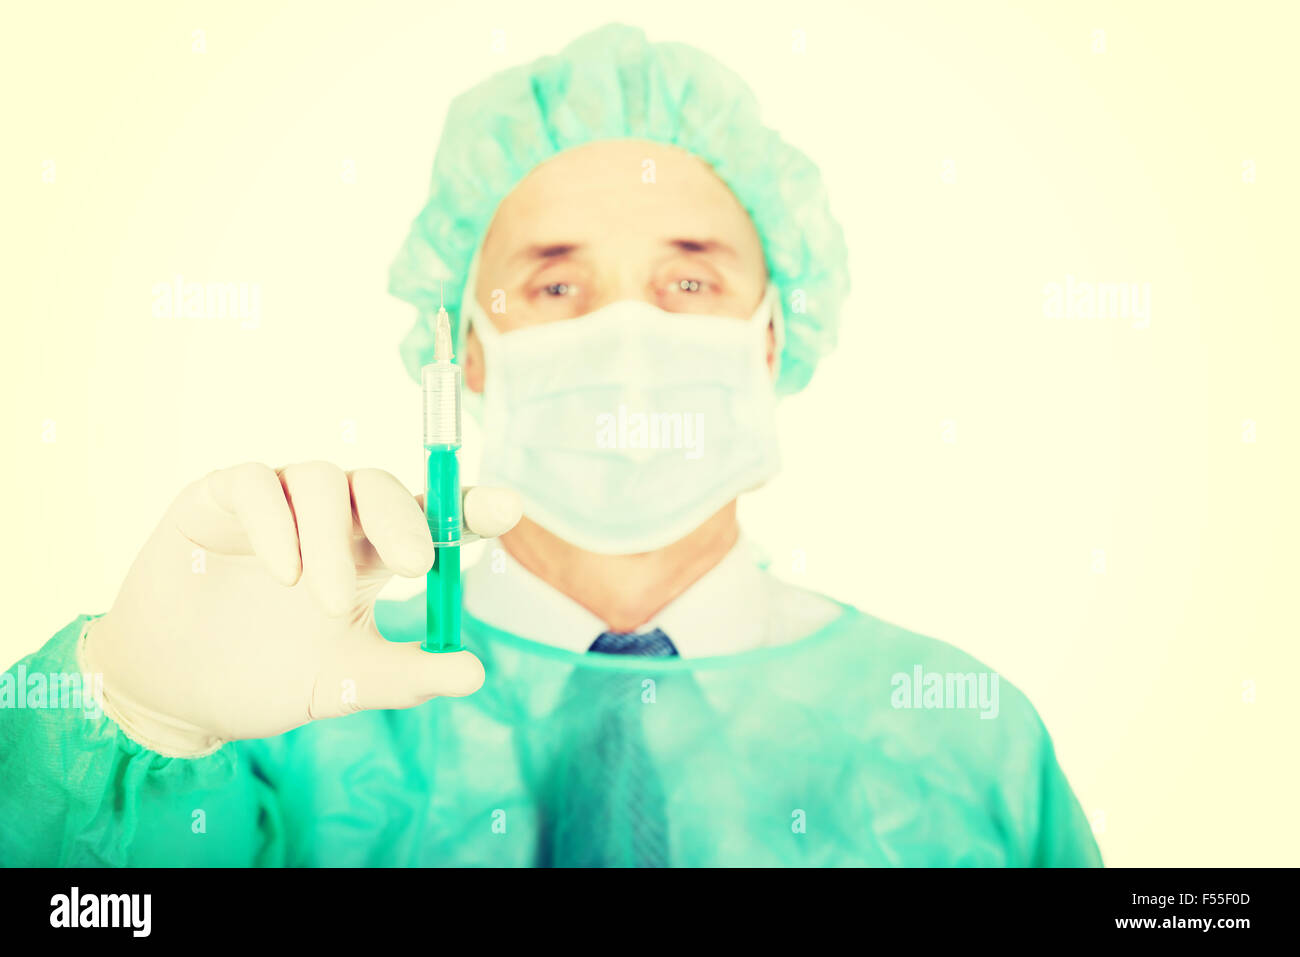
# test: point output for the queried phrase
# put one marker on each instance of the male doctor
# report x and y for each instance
(622, 243)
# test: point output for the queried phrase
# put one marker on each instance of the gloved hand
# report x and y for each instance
(250, 610)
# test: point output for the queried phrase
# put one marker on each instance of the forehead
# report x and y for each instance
(619, 188)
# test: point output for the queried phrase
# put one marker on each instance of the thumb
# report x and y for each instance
(371, 672)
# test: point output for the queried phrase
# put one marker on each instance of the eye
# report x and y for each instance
(688, 291)
(556, 290)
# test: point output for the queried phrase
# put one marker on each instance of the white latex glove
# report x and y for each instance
(250, 610)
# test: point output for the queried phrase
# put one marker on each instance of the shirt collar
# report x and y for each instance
(723, 612)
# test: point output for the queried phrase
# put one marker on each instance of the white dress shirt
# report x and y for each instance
(737, 605)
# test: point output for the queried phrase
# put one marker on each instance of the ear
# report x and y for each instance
(771, 346)
(472, 362)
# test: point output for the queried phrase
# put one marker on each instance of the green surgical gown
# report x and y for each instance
(798, 755)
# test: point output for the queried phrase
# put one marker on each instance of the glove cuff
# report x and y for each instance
(149, 729)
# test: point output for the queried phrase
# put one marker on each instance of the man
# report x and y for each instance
(644, 268)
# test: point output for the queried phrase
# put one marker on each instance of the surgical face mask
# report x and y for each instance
(625, 429)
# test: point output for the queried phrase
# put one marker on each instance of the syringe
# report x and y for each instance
(441, 381)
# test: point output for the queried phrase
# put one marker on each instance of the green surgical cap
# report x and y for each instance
(613, 83)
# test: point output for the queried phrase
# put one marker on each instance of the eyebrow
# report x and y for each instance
(702, 246)
(542, 251)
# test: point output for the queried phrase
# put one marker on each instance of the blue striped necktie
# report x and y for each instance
(609, 809)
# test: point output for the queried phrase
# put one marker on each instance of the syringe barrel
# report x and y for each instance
(441, 382)
(442, 494)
